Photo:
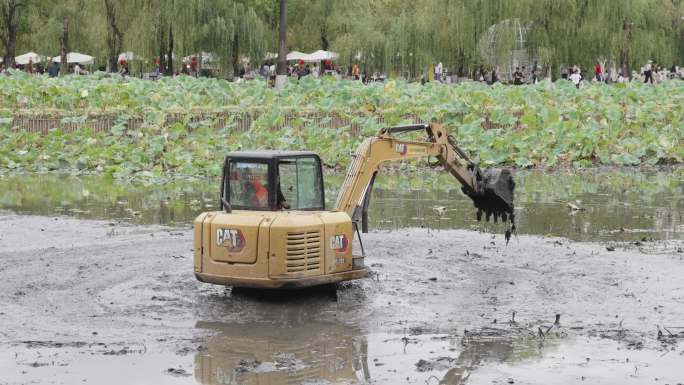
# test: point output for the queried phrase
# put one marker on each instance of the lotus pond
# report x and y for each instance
(545, 125)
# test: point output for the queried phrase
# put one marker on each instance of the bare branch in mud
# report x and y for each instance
(555, 323)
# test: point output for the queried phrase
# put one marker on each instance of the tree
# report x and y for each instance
(282, 39)
(9, 12)
(393, 36)
(114, 36)
(64, 47)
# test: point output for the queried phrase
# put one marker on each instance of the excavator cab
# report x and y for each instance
(272, 181)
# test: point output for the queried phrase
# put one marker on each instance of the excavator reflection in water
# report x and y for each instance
(321, 352)
(263, 353)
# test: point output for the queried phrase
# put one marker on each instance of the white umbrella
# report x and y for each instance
(295, 55)
(320, 55)
(207, 58)
(128, 56)
(75, 57)
(30, 56)
(271, 55)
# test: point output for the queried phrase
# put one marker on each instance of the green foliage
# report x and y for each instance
(400, 37)
(546, 125)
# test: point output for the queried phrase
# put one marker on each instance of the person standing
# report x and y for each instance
(53, 71)
(154, 75)
(124, 67)
(598, 72)
(356, 72)
(576, 78)
(534, 76)
(77, 69)
(517, 77)
(648, 73)
(438, 72)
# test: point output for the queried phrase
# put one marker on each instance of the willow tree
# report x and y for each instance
(359, 40)
(55, 31)
(11, 12)
(311, 23)
(395, 36)
(232, 31)
(114, 12)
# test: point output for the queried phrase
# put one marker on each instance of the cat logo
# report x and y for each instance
(234, 238)
(400, 148)
(339, 243)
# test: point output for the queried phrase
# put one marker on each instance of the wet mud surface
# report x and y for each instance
(108, 303)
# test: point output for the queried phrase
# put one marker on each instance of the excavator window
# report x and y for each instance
(249, 187)
(300, 183)
(267, 181)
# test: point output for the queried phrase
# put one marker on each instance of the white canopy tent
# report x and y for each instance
(29, 57)
(207, 58)
(270, 56)
(295, 55)
(75, 57)
(320, 55)
(128, 56)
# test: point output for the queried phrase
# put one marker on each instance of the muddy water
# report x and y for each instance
(108, 302)
(614, 204)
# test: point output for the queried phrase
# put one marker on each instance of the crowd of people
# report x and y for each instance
(651, 73)
(52, 69)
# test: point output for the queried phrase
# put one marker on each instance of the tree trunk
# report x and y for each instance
(162, 48)
(114, 36)
(9, 13)
(64, 48)
(325, 44)
(170, 59)
(282, 39)
(624, 52)
(236, 55)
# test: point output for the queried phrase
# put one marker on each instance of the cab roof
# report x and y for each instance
(269, 154)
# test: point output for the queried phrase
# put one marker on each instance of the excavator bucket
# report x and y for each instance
(494, 194)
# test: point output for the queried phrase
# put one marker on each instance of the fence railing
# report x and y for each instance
(239, 121)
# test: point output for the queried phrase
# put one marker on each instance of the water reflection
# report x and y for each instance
(264, 353)
(334, 353)
(615, 204)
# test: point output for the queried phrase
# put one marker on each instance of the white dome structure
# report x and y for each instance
(504, 46)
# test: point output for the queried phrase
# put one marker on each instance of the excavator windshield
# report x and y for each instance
(248, 185)
(273, 181)
(300, 183)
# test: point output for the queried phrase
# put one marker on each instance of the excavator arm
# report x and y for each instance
(491, 190)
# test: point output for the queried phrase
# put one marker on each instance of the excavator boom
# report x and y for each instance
(491, 190)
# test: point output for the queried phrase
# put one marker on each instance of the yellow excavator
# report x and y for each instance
(274, 230)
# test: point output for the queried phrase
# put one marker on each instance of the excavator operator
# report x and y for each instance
(257, 192)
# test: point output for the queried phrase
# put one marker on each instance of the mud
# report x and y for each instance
(109, 303)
